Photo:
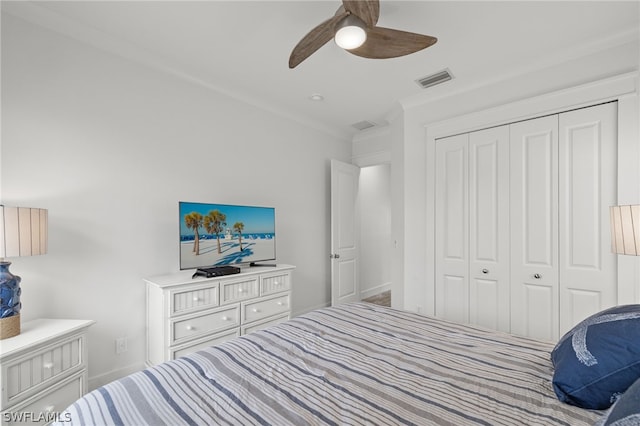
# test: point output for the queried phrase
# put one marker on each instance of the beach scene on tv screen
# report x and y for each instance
(218, 234)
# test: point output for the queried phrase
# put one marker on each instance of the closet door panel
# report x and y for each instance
(487, 308)
(489, 228)
(539, 312)
(452, 236)
(534, 227)
(453, 295)
(588, 158)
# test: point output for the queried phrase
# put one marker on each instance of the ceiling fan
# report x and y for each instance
(354, 28)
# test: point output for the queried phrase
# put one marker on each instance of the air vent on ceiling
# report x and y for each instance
(364, 124)
(433, 79)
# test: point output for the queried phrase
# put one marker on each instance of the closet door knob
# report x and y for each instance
(485, 271)
(537, 276)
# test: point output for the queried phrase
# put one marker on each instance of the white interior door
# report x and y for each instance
(489, 228)
(345, 285)
(588, 170)
(452, 229)
(534, 228)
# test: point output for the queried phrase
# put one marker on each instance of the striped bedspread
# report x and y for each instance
(355, 364)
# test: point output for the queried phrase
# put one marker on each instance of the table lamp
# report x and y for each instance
(23, 232)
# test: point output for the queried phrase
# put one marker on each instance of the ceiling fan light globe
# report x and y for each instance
(350, 37)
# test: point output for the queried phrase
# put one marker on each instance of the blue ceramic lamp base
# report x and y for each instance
(9, 302)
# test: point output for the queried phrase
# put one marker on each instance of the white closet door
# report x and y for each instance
(588, 170)
(452, 236)
(489, 228)
(534, 228)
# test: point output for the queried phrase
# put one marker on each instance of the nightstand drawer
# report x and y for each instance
(27, 375)
(198, 325)
(265, 308)
(194, 299)
(45, 407)
(239, 290)
(274, 284)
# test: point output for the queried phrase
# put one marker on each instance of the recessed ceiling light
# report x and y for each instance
(316, 97)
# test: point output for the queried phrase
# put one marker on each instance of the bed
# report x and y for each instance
(351, 364)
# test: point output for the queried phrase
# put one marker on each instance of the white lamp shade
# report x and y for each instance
(23, 231)
(625, 229)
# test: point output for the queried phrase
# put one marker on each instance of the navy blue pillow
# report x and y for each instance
(626, 411)
(598, 359)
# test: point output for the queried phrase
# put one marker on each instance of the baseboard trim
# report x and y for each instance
(322, 305)
(375, 290)
(102, 379)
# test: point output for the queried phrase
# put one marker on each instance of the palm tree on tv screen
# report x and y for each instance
(193, 221)
(214, 222)
(239, 226)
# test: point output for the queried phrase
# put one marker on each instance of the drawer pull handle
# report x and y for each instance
(240, 290)
(190, 328)
(48, 365)
(196, 299)
(280, 303)
(225, 318)
(255, 310)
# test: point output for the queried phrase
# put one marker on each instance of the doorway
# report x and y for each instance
(374, 196)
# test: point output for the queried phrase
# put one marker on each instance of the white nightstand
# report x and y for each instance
(43, 370)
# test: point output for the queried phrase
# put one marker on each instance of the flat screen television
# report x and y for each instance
(222, 234)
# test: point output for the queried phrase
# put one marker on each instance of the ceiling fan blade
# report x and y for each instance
(315, 39)
(383, 43)
(367, 10)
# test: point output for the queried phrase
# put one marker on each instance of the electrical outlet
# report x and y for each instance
(121, 345)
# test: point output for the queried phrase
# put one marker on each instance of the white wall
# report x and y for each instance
(109, 147)
(412, 165)
(417, 174)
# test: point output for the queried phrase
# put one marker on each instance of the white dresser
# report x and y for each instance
(185, 314)
(44, 370)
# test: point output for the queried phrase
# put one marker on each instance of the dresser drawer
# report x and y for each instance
(47, 406)
(27, 375)
(259, 325)
(178, 351)
(255, 311)
(234, 291)
(193, 326)
(194, 298)
(274, 283)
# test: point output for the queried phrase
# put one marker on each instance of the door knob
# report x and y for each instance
(485, 271)
(537, 276)
(334, 256)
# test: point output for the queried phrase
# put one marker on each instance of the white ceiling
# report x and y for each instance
(242, 47)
